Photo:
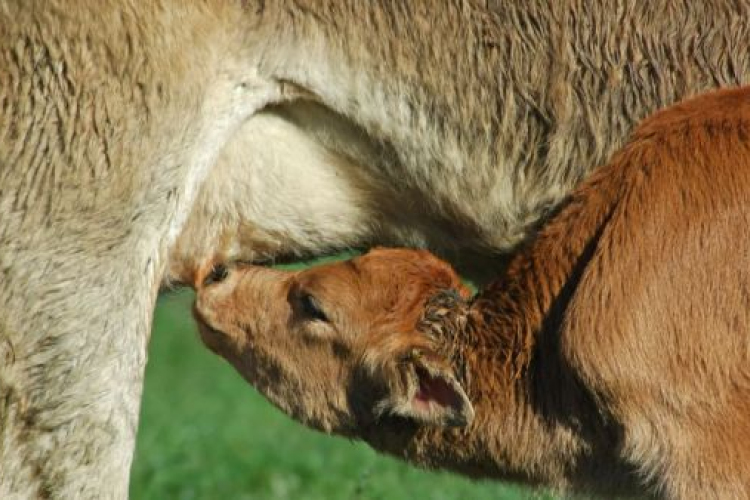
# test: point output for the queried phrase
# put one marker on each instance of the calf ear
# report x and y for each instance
(427, 391)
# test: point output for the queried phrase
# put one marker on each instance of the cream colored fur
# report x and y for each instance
(106, 132)
(461, 135)
(454, 125)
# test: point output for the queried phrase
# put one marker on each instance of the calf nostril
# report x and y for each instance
(219, 273)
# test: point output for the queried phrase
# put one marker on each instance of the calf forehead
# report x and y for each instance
(390, 284)
(385, 271)
(334, 279)
(408, 272)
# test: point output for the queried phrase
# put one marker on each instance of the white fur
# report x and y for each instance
(237, 98)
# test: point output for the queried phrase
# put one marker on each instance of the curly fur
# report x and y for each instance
(610, 357)
(138, 139)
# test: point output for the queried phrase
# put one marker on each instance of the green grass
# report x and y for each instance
(206, 434)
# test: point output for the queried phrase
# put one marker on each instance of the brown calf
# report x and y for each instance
(611, 356)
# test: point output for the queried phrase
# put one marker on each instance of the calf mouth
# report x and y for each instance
(210, 336)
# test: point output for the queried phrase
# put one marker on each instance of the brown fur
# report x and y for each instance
(611, 356)
(139, 139)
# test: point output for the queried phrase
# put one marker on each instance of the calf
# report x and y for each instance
(611, 355)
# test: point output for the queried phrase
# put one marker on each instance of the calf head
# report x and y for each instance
(338, 346)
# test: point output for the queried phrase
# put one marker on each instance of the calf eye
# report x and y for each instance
(218, 274)
(311, 308)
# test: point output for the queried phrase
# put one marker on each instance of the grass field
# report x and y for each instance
(205, 434)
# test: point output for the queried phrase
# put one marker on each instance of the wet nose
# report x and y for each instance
(214, 287)
(223, 290)
(206, 276)
(220, 277)
(216, 274)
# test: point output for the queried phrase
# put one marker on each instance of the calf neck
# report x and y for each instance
(610, 356)
(140, 138)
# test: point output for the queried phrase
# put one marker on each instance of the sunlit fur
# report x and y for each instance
(139, 139)
(611, 356)
(454, 126)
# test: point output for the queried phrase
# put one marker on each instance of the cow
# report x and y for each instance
(610, 357)
(139, 140)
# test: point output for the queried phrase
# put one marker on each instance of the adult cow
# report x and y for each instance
(307, 126)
